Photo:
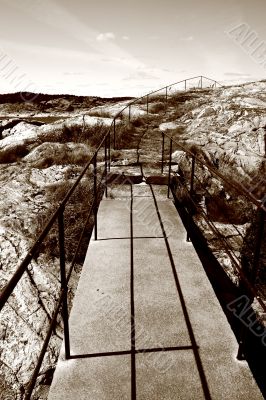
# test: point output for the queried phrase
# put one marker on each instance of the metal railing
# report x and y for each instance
(58, 218)
(195, 190)
(164, 93)
(100, 183)
(192, 182)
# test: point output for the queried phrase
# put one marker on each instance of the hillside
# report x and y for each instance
(44, 145)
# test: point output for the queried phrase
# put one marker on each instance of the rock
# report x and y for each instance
(166, 126)
(206, 112)
(47, 154)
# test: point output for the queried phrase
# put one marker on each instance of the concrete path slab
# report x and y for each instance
(145, 318)
(100, 316)
(158, 312)
(92, 379)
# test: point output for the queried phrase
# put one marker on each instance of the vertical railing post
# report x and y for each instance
(95, 195)
(105, 165)
(201, 82)
(191, 190)
(166, 98)
(109, 152)
(64, 286)
(169, 170)
(114, 136)
(147, 104)
(162, 164)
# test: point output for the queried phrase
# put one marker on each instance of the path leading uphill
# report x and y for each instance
(145, 323)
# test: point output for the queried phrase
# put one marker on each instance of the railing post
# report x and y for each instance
(105, 166)
(95, 195)
(169, 171)
(162, 164)
(109, 152)
(191, 184)
(201, 82)
(114, 135)
(147, 104)
(64, 287)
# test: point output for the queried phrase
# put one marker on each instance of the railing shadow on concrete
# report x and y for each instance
(194, 188)
(99, 181)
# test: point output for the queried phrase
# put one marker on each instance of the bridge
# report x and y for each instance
(146, 321)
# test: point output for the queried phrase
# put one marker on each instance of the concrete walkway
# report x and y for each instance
(145, 322)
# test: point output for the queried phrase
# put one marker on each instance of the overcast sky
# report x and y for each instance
(125, 47)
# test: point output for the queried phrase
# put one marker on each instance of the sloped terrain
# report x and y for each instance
(40, 160)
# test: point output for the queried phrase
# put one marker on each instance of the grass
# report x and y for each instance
(158, 108)
(75, 215)
(91, 135)
(100, 113)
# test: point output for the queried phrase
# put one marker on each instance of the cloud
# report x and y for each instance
(238, 74)
(125, 37)
(187, 39)
(103, 37)
(140, 75)
(74, 73)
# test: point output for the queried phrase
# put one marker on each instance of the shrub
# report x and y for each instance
(89, 134)
(75, 215)
(158, 107)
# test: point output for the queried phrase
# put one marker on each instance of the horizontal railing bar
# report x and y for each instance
(163, 88)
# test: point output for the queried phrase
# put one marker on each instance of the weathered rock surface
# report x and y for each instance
(225, 128)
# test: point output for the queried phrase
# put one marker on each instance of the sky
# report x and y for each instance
(128, 47)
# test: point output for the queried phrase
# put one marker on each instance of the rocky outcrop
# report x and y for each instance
(227, 130)
(32, 184)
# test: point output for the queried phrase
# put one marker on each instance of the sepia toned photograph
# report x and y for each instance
(132, 200)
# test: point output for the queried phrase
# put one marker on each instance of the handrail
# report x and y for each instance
(8, 289)
(162, 88)
(232, 184)
(58, 215)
